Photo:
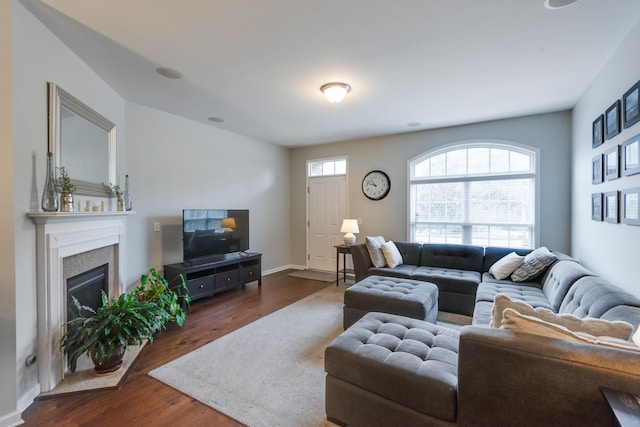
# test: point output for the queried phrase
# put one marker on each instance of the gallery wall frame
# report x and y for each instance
(596, 206)
(631, 156)
(597, 133)
(612, 163)
(631, 206)
(597, 176)
(612, 120)
(631, 106)
(611, 211)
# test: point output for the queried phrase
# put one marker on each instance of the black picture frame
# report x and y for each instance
(596, 206)
(631, 206)
(611, 163)
(631, 106)
(611, 212)
(630, 156)
(597, 169)
(612, 120)
(597, 132)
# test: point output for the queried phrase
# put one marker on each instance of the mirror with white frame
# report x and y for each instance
(83, 141)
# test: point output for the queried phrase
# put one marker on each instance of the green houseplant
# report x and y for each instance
(155, 288)
(105, 333)
(66, 189)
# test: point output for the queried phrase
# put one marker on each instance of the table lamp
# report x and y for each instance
(349, 226)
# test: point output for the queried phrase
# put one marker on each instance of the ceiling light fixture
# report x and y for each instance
(335, 91)
(216, 120)
(558, 4)
(170, 73)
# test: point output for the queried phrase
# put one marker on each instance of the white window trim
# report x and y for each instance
(470, 144)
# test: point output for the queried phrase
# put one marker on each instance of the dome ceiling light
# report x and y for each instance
(335, 91)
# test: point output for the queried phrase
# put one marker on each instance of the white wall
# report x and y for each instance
(38, 57)
(8, 396)
(550, 133)
(611, 250)
(175, 163)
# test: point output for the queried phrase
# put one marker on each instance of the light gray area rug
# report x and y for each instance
(322, 276)
(270, 372)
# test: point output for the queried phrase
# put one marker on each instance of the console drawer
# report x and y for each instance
(227, 278)
(250, 273)
(201, 286)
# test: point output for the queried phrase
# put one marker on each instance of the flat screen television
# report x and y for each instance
(210, 233)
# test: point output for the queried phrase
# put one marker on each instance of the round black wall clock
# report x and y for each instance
(376, 185)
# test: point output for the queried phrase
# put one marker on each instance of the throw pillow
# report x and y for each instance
(533, 264)
(374, 246)
(595, 327)
(502, 268)
(391, 254)
(517, 322)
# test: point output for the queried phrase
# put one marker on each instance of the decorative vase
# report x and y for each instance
(50, 192)
(111, 364)
(127, 194)
(120, 204)
(66, 202)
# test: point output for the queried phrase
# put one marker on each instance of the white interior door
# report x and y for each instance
(327, 209)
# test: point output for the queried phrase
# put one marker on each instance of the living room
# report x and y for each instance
(167, 156)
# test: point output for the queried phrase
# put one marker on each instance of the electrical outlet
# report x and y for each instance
(156, 226)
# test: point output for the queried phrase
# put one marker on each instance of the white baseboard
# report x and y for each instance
(12, 419)
(282, 268)
(27, 399)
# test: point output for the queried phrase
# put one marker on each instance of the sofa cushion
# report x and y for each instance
(411, 252)
(533, 296)
(503, 268)
(533, 264)
(374, 247)
(391, 254)
(448, 279)
(482, 313)
(407, 361)
(518, 322)
(403, 270)
(595, 327)
(489, 278)
(458, 257)
(593, 296)
(561, 276)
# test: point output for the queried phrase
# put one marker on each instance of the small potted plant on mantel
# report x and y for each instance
(66, 191)
(119, 194)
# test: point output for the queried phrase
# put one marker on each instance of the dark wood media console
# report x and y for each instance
(209, 277)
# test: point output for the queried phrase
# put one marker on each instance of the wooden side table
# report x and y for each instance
(624, 406)
(344, 250)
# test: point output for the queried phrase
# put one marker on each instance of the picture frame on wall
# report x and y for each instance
(631, 106)
(596, 206)
(597, 132)
(612, 120)
(611, 212)
(631, 206)
(597, 176)
(611, 163)
(631, 156)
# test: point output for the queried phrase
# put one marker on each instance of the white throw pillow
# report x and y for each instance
(391, 254)
(505, 265)
(533, 264)
(374, 246)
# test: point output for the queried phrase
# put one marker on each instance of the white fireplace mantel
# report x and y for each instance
(60, 235)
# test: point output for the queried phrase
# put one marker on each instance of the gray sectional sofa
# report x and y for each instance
(480, 376)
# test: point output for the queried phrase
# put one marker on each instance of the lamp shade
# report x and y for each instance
(350, 226)
(335, 92)
(228, 223)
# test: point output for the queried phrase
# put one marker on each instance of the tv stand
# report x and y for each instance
(205, 278)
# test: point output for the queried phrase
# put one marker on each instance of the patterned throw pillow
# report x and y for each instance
(533, 264)
(374, 246)
(502, 268)
(391, 254)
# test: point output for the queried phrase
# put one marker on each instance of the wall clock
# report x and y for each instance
(376, 185)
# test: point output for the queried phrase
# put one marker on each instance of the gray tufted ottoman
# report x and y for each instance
(406, 297)
(389, 370)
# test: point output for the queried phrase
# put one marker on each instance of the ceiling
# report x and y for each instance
(259, 64)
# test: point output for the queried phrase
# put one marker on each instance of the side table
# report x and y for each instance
(344, 250)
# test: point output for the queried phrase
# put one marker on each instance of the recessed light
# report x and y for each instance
(558, 4)
(215, 119)
(170, 73)
(413, 124)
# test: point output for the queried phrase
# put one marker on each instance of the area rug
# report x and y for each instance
(270, 372)
(322, 276)
(85, 378)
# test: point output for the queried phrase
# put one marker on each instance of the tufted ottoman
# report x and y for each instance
(406, 297)
(389, 370)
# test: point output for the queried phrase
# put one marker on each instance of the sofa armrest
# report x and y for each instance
(361, 260)
(507, 378)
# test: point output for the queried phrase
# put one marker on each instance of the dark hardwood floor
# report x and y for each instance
(144, 401)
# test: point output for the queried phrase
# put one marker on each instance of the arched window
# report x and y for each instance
(480, 193)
